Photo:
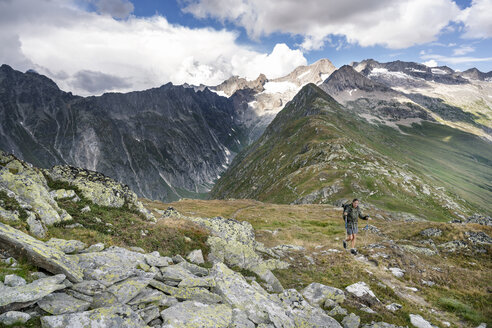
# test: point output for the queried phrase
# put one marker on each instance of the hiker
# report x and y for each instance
(351, 214)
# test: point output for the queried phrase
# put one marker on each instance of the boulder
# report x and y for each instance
(254, 301)
(317, 294)
(431, 232)
(36, 226)
(418, 250)
(122, 292)
(303, 313)
(351, 321)
(196, 314)
(40, 254)
(196, 257)
(479, 237)
(362, 291)
(61, 303)
(67, 246)
(14, 317)
(99, 188)
(14, 298)
(111, 265)
(89, 287)
(397, 272)
(453, 246)
(393, 307)
(13, 280)
(30, 188)
(189, 293)
(120, 316)
(156, 260)
(63, 193)
(417, 321)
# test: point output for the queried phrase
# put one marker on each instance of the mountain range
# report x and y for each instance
(428, 127)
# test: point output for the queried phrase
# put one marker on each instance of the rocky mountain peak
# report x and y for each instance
(347, 78)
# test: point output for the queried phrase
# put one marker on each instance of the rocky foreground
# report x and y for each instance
(79, 285)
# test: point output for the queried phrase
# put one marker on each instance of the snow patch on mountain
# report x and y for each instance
(280, 87)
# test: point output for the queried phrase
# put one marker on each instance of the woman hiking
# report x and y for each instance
(351, 215)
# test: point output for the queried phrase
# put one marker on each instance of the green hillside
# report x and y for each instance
(317, 151)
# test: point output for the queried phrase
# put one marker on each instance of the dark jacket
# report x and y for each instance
(353, 214)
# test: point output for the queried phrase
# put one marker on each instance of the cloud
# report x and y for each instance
(430, 63)
(456, 59)
(97, 82)
(115, 8)
(463, 50)
(391, 23)
(88, 53)
(477, 19)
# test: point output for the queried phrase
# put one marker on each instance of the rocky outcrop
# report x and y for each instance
(40, 254)
(233, 242)
(99, 189)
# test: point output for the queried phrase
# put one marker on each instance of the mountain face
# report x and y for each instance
(462, 100)
(318, 151)
(258, 101)
(165, 143)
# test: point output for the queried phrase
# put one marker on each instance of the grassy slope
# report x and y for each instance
(292, 159)
(461, 294)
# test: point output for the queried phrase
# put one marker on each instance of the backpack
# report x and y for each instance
(345, 209)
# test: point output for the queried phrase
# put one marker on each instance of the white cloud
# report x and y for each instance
(89, 53)
(477, 19)
(456, 59)
(115, 8)
(391, 23)
(463, 50)
(430, 63)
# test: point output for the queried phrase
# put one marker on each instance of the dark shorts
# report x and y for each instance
(351, 228)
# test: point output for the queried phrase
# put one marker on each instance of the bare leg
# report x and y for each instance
(353, 240)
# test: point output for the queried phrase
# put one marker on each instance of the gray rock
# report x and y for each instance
(431, 232)
(194, 269)
(397, 272)
(94, 248)
(253, 301)
(122, 292)
(362, 291)
(329, 304)
(453, 246)
(73, 226)
(154, 259)
(67, 246)
(40, 254)
(61, 303)
(303, 313)
(351, 321)
(184, 294)
(85, 209)
(36, 226)
(111, 265)
(316, 294)
(418, 250)
(89, 287)
(13, 280)
(176, 273)
(137, 249)
(195, 314)
(393, 307)
(479, 237)
(12, 317)
(63, 193)
(14, 298)
(120, 316)
(148, 295)
(240, 320)
(149, 314)
(381, 325)
(417, 321)
(479, 219)
(196, 257)
(178, 259)
(79, 295)
(337, 310)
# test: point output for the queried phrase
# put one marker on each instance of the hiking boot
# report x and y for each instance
(353, 251)
(345, 244)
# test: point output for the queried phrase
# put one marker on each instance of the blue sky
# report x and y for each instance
(339, 51)
(95, 46)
